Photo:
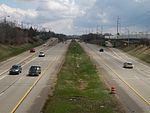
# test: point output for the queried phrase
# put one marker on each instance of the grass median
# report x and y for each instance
(79, 88)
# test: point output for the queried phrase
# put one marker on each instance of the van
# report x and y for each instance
(34, 70)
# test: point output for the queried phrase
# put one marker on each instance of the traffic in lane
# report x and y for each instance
(133, 82)
(13, 87)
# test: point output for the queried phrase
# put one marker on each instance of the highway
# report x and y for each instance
(132, 85)
(27, 94)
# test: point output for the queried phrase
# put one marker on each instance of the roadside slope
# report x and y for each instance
(141, 52)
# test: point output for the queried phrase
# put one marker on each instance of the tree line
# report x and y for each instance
(13, 35)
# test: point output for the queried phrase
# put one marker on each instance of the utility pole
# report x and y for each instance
(128, 37)
(101, 30)
(21, 25)
(117, 26)
(92, 30)
(89, 31)
(97, 34)
(4, 20)
(86, 31)
(97, 30)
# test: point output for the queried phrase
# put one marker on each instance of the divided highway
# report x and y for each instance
(26, 94)
(132, 85)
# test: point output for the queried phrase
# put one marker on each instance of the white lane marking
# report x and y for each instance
(128, 78)
(22, 66)
(136, 77)
(116, 74)
(1, 94)
(126, 55)
(20, 62)
(20, 78)
(4, 71)
(2, 77)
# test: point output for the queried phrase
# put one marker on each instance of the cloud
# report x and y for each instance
(139, 1)
(57, 13)
(61, 26)
(16, 13)
(25, 0)
(60, 14)
(105, 12)
(60, 8)
(75, 15)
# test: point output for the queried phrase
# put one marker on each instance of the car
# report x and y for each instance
(101, 50)
(15, 69)
(44, 44)
(32, 50)
(128, 65)
(41, 54)
(34, 70)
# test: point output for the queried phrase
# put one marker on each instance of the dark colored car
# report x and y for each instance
(128, 65)
(32, 50)
(101, 50)
(34, 70)
(15, 69)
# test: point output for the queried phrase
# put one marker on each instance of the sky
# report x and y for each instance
(73, 17)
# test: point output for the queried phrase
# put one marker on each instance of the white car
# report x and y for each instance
(128, 65)
(41, 54)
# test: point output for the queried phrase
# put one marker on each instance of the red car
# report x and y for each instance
(32, 50)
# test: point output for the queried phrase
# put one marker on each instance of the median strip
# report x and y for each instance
(79, 88)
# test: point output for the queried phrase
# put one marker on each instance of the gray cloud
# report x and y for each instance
(105, 12)
(25, 0)
(82, 14)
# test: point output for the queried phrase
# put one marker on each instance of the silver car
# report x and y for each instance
(41, 54)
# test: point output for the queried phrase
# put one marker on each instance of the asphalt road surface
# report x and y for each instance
(132, 85)
(25, 94)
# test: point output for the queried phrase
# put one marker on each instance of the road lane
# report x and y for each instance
(25, 56)
(35, 100)
(13, 87)
(28, 57)
(137, 84)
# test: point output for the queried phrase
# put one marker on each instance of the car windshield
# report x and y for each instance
(41, 52)
(129, 63)
(33, 68)
(15, 67)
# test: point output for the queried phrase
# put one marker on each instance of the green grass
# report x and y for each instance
(79, 89)
(141, 52)
(7, 51)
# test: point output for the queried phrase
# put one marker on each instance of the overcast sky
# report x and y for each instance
(80, 16)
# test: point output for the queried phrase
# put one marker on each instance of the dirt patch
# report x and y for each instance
(82, 84)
